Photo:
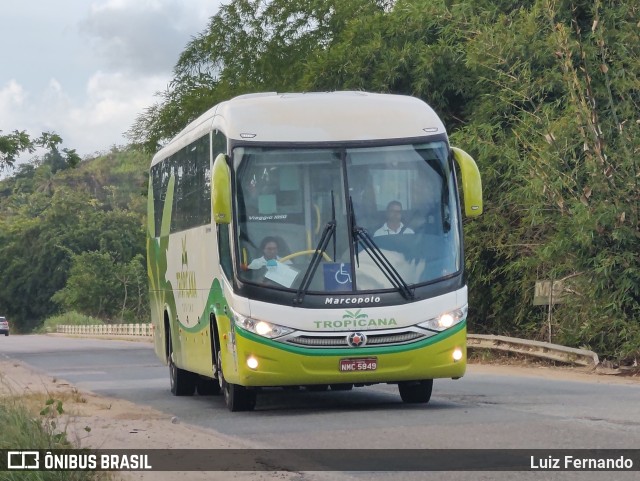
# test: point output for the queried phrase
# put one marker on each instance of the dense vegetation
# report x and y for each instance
(74, 240)
(543, 93)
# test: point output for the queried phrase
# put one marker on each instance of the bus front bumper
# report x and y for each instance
(284, 365)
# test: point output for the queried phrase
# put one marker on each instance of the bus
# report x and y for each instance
(310, 240)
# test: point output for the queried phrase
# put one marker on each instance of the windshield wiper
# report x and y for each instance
(328, 232)
(364, 238)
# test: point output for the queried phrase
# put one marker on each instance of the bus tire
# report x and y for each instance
(416, 392)
(183, 383)
(237, 398)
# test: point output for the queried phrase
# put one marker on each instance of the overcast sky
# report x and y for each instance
(86, 68)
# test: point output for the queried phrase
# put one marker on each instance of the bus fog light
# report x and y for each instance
(252, 362)
(457, 354)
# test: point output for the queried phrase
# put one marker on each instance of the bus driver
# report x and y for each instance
(394, 223)
(269, 248)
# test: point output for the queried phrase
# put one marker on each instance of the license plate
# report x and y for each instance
(362, 364)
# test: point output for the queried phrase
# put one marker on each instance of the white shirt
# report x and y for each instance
(261, 262)
(386, 230)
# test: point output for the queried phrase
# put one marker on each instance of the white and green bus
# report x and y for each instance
(310, 240)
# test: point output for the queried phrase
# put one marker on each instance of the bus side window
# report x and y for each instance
(224, 250)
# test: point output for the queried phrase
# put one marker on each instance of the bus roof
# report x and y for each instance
(312, 117)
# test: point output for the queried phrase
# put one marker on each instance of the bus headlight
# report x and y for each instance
(446, 320)
(261, 328)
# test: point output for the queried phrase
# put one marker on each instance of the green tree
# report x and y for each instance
(18, 142)
(12, 145)
(134, 286)
(91, 288)
(555, 133)
(47, 219)
(545, 95)
(101, 287)
(248, 46)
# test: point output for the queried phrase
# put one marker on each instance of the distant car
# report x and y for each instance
(4, 326)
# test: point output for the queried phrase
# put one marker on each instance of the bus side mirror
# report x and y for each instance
(471, 182)
(221, 191)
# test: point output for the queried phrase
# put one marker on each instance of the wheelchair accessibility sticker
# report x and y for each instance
(337, 276)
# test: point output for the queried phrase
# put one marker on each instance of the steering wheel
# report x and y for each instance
(309, 252)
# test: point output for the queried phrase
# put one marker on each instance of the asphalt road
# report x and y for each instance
(481, 410)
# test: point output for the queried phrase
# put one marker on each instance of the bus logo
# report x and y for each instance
(356, 339)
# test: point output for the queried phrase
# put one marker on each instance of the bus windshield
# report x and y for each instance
(293, 203)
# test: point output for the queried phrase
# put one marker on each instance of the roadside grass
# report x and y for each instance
(37, 420)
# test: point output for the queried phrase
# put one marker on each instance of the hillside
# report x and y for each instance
(73, 239)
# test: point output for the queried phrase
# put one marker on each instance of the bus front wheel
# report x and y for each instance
(416, 392)
(237, 398)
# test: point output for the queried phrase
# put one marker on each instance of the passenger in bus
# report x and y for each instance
(269, 248)
(394, 223)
